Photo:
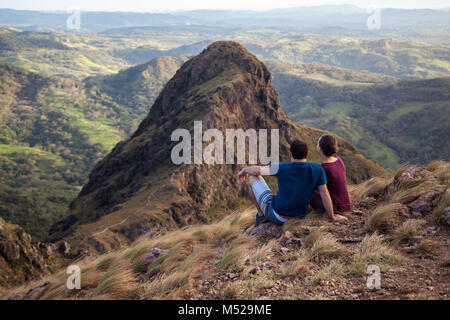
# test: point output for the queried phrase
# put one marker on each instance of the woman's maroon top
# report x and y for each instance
(337, 186)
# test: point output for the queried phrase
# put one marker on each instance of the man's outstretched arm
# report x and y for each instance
(328, 204)
(253, 171)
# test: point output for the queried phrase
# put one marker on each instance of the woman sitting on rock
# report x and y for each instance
(336, 176)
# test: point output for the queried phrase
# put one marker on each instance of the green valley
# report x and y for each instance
(392, 121)
(52, 132)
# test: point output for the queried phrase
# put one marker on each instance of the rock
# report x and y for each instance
(10, 250)
(349, 240)
(414, 240)
(98, 245)
(416, 215)
(288, 239)
(23, 236)
(425, 203)
(16, 296)
(294, 242)
(287, 235)
(265, 265)
(445, 218)
(357, 213)
(39, 262)
(152, 254)
(64, 248)
(26, 258)
(268, 230)
(409, 174)
(34, 294)
(404, 211)
(46, 249)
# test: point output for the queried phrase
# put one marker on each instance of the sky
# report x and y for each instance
(174, 5)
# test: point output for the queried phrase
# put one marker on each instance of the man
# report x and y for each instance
(297, 181)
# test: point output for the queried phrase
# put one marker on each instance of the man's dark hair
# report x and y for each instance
(328, 144)
(299, 149)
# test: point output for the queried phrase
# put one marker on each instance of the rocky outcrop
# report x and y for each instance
(407, 175)
(268, 231)
(23, 258)
(425, 203)
(137, 189)
(422, 190)
(445, 218)
(152, 254)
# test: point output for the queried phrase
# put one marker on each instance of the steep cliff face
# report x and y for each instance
(23, 258)
(137, 189)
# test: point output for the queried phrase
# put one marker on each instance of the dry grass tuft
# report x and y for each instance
(233, 290)
(332, 270)
(442, 205)
(446, 263)
(372, 250)
(384, 217)
(408, 229)
(105, 263)
(370, 188)
(299, 227)
(297, 268)
(173, 284)
(236, 254)
(440, 170)
(411, 190)
(426, 246)
(118, 283)
(322, 244)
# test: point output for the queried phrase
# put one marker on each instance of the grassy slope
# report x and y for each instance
(217, 261)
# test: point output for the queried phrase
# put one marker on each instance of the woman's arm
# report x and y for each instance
(328, 204)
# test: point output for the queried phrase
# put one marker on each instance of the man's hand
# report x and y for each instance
(242, 175)
(338, 217)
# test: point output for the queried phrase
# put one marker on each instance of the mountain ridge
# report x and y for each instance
(225, 87)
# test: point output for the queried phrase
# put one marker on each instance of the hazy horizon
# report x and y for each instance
(180, 5)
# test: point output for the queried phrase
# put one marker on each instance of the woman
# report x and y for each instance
(336, 180)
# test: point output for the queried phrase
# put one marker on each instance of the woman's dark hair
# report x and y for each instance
(328, 144)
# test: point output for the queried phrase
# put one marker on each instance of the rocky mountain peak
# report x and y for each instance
(137, 188)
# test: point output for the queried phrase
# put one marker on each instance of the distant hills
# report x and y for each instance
(80, 56)
(325, 19)
(391, 121)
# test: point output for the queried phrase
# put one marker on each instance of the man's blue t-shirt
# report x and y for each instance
(296, 184)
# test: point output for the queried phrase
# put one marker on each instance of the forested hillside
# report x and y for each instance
(52, 132)
(392, 121)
